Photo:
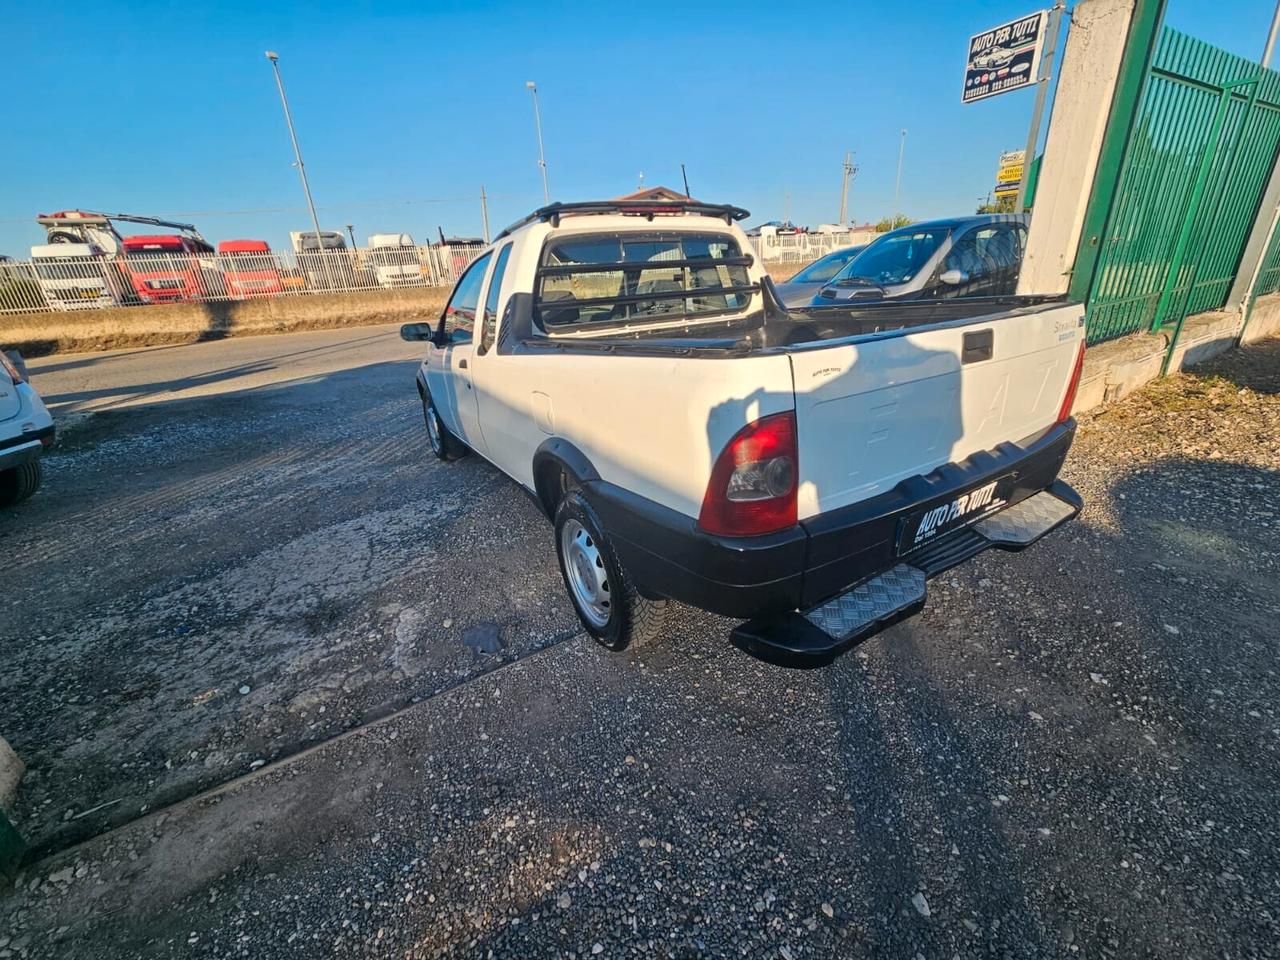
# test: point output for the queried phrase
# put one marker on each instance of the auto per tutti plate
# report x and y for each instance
(926, 526)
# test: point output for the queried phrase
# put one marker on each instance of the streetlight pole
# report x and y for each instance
(1271, 38)
(1042, 89)
(537, 122)
(897, 186)
(302, 170)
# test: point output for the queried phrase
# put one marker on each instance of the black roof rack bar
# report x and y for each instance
(555, 211)
(621, 266)
(697, 293)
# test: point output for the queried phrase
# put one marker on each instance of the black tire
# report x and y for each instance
(633, 620)
(18, 483)
(443, 443)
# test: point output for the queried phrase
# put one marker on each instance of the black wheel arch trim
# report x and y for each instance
(554, 456)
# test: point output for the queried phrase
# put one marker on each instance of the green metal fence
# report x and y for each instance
(1197, 159)
(1269, 270)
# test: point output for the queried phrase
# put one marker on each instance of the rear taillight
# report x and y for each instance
(12, 372)
(1069, 400)
(753, 483)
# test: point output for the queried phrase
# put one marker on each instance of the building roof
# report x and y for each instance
(655, 193)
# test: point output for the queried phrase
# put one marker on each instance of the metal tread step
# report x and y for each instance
(1027, 521)
(869, 602)
(887, 594)
(814, 637)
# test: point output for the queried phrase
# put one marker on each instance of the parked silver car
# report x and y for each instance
(799, 290)
(976, 256)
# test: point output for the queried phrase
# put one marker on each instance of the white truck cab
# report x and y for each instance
(76, 276)
(394, 259)
(629, 365)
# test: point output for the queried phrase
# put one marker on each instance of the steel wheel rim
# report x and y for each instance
(433, 427)
(586, 573)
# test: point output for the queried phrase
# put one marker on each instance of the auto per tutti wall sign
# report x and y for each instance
(1004, 58)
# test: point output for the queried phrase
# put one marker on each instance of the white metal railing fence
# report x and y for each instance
(47, 284)
(803, 247)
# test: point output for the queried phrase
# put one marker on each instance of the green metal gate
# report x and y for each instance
(1198, 157)
(1269, 269)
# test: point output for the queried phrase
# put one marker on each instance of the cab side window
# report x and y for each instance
(490, 320)
(1004, 251)
(460, 315)
(966, 255)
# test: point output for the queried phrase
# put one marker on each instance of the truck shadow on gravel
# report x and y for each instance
(1135, 670)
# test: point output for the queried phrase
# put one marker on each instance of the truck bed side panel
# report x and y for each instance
(652, 425)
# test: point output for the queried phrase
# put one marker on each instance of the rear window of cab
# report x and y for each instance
(605, 279)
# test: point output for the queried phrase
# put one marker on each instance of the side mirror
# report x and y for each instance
(953, 278)
(418, 331)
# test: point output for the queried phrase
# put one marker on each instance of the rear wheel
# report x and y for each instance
(613, 611)
(18, 483)
(443, 443)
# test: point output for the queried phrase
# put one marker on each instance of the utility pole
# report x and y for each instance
(685, 176)
(1042, 90)
(484, 213)
(850, 171)
(351, 232)
(786, 206)
(897, 186)
(302, 171)
(537, 122)
(1271, 37)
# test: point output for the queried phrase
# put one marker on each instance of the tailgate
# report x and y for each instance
(872, 413)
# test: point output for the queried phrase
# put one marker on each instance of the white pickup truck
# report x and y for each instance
(629, 365)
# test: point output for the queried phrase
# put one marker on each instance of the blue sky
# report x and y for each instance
(404, 110)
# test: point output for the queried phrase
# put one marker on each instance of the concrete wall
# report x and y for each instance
(36, 334)
(1265, 319)
(1116, 369)
(1086, 85)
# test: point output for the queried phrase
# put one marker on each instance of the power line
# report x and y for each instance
(332, 206)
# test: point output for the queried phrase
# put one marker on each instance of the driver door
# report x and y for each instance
(450, 358)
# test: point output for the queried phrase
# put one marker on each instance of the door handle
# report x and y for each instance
(462, 364)
(977, 345)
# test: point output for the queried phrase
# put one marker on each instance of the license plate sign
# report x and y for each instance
(931, 524)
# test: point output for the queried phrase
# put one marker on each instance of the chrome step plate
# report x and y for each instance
(874, 600)
(1025, 521)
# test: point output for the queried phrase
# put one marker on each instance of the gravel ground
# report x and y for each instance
(1071, 752)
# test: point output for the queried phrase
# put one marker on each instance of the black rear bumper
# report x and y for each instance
(765, 578)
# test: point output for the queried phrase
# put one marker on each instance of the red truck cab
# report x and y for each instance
(166, 267)
(249, 269)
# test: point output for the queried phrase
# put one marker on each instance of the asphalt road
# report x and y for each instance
(1072, 751)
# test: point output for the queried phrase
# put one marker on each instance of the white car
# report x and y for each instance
(26, 430)
(993, 58)
(629, 365)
